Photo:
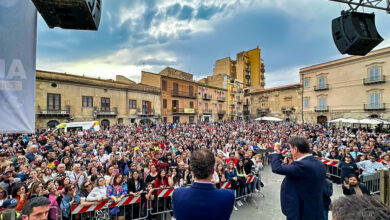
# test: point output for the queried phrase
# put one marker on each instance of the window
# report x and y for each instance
(375, 73)
(146, 107)
(53, 102)
(322, 103)
(322, 82)
(176, 88)
(132, 104)
(375, 99)
(164, 103)
(191, 90)
(306, 103)
(164, 85)
(105, 104)
(87, 101)
(191, 104)
(306, 83)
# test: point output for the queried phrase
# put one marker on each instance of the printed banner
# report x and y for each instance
(18, 27)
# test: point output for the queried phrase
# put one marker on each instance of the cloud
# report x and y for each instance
(186, 13)
(282, 77)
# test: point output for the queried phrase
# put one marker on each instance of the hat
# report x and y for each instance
(136, 148)
(10, 203)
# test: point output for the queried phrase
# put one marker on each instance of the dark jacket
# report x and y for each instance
(132, 187)
(351, 190)
(302, 188)
(202, 201)
(328, 192)
(347, 169)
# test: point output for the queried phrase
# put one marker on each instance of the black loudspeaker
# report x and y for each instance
(355, 33)
(70, 14)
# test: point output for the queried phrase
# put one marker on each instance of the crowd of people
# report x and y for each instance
(74, 168)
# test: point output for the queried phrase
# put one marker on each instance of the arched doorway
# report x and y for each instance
(105, 123)
(52, 124)
(322, 119)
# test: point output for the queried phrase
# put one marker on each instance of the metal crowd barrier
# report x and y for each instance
(372, 182)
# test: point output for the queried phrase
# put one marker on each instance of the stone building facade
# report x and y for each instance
(70, 98)
(353, 87)
(178, 94)
(212, 103)
(282, 102)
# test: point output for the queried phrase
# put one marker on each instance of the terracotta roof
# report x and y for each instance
(297, 85)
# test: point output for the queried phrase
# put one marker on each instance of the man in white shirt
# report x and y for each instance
(370, 166)
(102, 157)
(77, 177)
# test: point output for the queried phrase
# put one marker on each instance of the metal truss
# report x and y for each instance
(376, 4)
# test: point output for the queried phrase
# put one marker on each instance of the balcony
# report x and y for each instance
(287, 110)
(207, 111)
(239, 112)
(246, 93)
(183, 111)
(206, 97)
(262, 69)
(263, 112)
(145, 113)
(321, 87)
(53, 112)
(232, 104)
(233, 113)
(239, 101)
(378, 107)
(182, 94)
(221, 99)
(240, 90)
(221, 112)
(108, 112)
(368, 81)
(321, 108)
(262, 77)
(246, 112)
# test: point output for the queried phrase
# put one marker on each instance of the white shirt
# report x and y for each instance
(303, 157)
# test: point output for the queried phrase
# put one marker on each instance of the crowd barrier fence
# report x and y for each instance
(372, 182)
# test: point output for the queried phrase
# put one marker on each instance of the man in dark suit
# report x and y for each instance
(202, 200)
(302, 188)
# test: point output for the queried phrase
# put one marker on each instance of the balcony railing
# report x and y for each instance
(54, 112)
(183, 94)
(378, 107)
(145, 113)
(221, 112)
(221, 99)
(233, 113)
(239, 101)
(246, 93)
(248, 75)
(108, 112)
(207, 111)
(368, 81)
(206, 97)
(321, 87)
(321, 108)
(246, 112)
(187, 111)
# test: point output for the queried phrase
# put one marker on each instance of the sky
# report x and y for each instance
(148, 35)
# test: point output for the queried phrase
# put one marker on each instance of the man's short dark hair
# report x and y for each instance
(356, 207)
(202, 163)
(28, 208)
(300, 143)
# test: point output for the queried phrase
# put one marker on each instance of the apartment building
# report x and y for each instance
(212, 103)
(178, 94)
(353, 87)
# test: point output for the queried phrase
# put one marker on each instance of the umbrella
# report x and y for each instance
(352, 121)
(338, 120)
(369, 121)
(381, 121)
(268, 119)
